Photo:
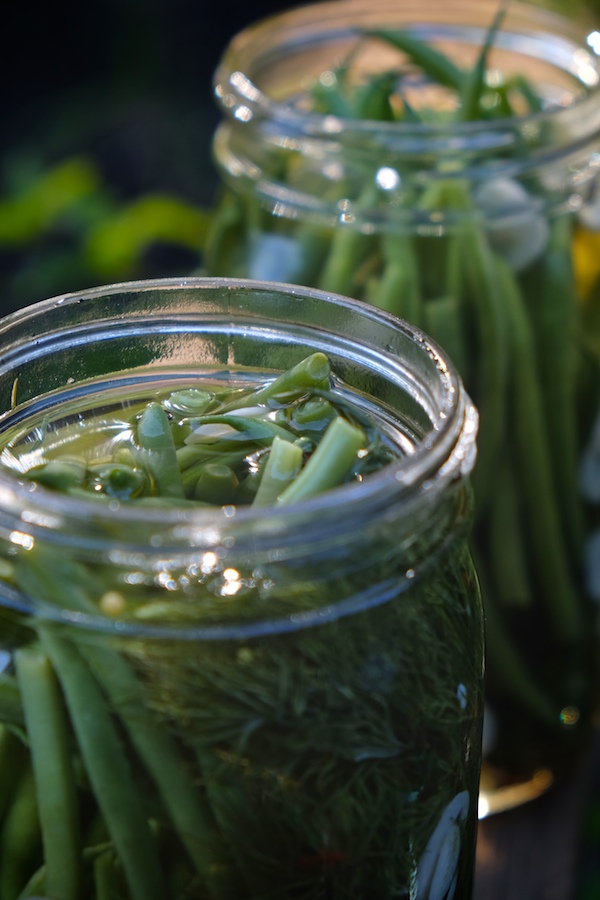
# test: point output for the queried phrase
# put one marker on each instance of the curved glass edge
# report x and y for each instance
(547, 35)
(566, 160)
(446, 454)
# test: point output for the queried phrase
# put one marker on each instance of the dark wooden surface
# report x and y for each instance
(534, 852)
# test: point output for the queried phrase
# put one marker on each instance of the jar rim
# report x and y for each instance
(447, 452)
(234, 86)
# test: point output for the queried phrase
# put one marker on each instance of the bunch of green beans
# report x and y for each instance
(502, 299)
(112, 787)
(285, 441)
(133, 768)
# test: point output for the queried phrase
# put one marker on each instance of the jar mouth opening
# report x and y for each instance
(158, 540)
(446, 452)
(246, 86)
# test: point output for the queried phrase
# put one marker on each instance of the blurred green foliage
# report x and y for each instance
(65, 228)
(107, 175)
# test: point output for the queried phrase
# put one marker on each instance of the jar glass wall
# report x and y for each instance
(232, 701)
(480, 226)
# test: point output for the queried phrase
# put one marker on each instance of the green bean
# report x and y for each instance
(218, 463)
(118, 480)
(435, 64)
(226, 246)
(54, 781)
(56, 580)
(372, 99)
(59, 474)
(189, 454)
(398, 289)
(547, 550)
(67, 586)
(348, 244)
(179, 794)
(507, 544)
(470, 266)
(159, 456)
(453, 281)
(35, 887)
(106, 877)
(311, 372)
(329, 464)
(442, 323)
(216, 484)
(244, 428)
(474, 82)
(328, 95)
(520, 357)
(180, 430)
(190, 402)
(552, 306)
(282, 466)
(11, 709)
(19, 838)
(84, 493)
(505, 661)
(190, 476)
(13, 757)
(313, 415)
(110, 775)
(491, 375)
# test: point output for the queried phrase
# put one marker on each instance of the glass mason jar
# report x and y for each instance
(470, 230)
(234, 702)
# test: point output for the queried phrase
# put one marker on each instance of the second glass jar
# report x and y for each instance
(470, 228)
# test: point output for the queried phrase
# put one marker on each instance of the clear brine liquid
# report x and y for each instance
(96, 420)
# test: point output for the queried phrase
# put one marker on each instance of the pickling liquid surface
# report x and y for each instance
(96, 420)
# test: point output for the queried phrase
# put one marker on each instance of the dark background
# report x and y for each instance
(124, 88)
(133, 73)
